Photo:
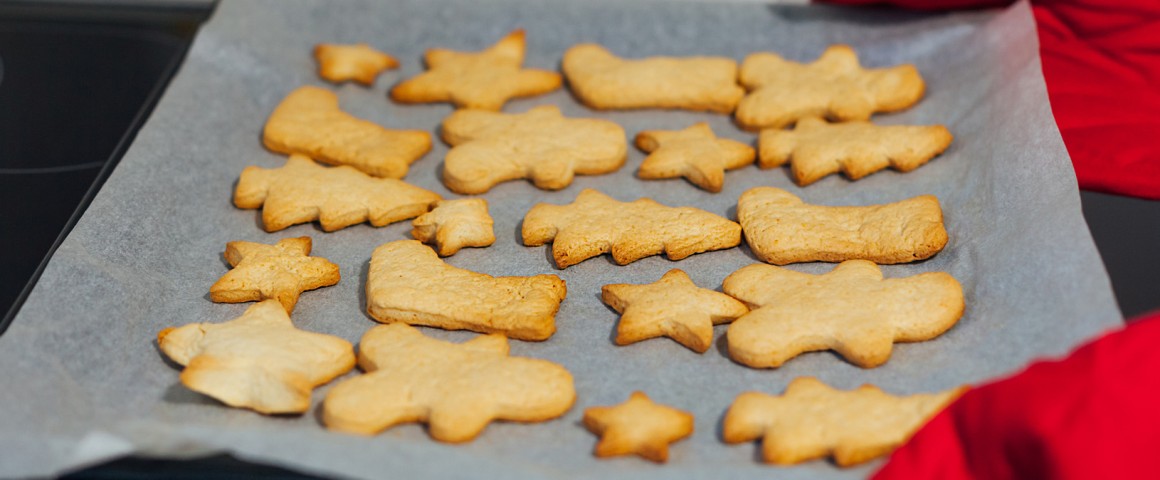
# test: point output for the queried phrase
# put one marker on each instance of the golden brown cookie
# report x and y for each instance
(308, 122)
(638, 426)
(456, 389)
(812, 420)
(281, 271)
(258, 360)
(604, 81)
(694, 153)
(672, 306)
(835, 86)
(483, 80)
(595, 224)
(454, 224)
(815, 148)
(540, 144)
(361, 63)
(303, 191)
(408, 283)
(781, 229)
(851, 310)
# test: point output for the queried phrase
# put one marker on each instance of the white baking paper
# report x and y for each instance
(82, 381)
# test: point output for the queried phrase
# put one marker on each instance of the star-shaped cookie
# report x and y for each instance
(851, 310)
(361, 63)
(672, 306)
(281, 271)
(483, 80)
(812, 420)
(539, 144)
(816, 148)
(835, 86)
(638, 426)
(694, 153)
(258, 360)
(457, 389)
(454, 224)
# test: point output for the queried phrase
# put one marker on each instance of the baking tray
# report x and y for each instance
(82, 380)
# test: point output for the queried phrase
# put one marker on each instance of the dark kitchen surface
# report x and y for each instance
(77, 80)
(1127, 233)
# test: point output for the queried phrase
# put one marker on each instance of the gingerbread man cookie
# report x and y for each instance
(835, 86)
(456, 389)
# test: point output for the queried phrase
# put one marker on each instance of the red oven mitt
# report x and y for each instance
(1101, 62)
(1094, 414)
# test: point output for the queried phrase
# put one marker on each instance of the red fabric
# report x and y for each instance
(1093, 414)
(1101, 62)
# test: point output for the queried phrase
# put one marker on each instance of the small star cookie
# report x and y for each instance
(456, 389)
(835, 86)
(851, 310)
(361, 63)
(483, 80)
(694, 153)
(308, 122)
(303, 191)
(812, 420)
(258, 360)
(490, 147)
(596, 223)
(281, 271)
(638, 426)
(815, 148)
(672, 306)
(454, 224)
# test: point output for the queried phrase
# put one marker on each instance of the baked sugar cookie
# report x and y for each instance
(694, 153)
(595, 224)
(482, 80)
(812, 420)
(303, 191)
(835, 87)
(258, 360)
(309, 122)
(638, 426)
(604, 81)
(408, 283)
(852, 310)
(281, 271)
(541, 145)
(672, 306)
(454, 224)
(456, 389)
(780, 229)
(339, 63)
(815, 148)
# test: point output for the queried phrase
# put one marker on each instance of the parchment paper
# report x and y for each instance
(81, 379)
